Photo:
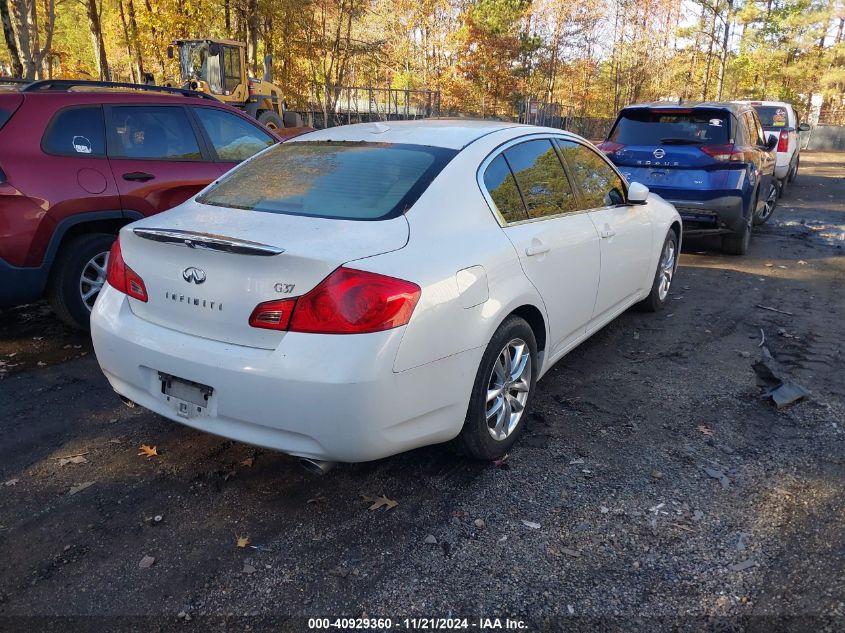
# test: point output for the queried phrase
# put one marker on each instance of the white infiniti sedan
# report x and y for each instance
(369, 289)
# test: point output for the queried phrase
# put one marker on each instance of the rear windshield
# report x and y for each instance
(643, 126)
(343, 180)
(772, 116)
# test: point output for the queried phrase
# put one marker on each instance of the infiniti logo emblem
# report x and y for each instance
(193, 275)
(659, 153)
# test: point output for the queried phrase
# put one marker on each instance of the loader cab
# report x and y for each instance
(213, 66)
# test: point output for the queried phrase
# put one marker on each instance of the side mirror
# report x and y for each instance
(771, 143)
(637, 193)
(169, 52)
(803, 127)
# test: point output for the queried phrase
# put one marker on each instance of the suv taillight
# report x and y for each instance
(783, 141)
(348, 301)
(123, 278)
(723, 152)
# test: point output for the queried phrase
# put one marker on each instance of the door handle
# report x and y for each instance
(536, 249)
(607, 232)
(140, 176)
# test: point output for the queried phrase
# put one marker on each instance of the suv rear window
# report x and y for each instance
(772, 116)
(656, 126)
(342, 180)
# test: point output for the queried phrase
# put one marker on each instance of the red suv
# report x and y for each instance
(78, 160)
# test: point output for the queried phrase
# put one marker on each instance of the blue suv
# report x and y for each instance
(711, 160)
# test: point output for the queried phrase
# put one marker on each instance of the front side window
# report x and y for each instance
(76, 132)
(600, 185)
(153, 132)
(233, 138)
(500, 184)
(332, 179)
(541, 179)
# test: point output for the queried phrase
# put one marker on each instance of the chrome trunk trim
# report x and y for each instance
(207, 241)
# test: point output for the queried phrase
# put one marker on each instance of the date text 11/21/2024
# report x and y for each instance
(417, 624)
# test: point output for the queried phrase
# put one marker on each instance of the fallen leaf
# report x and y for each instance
(243, 541)
(81, 487)
(77, 459)
(317, 499)
(11, 482)
(501, 460)
(148, 451)
(704, 430)
(571, 552)
(383, 502)
(146, 562)
(531, 524)
(248, 462)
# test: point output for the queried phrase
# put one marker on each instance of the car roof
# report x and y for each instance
(454, 133)
(735, 107)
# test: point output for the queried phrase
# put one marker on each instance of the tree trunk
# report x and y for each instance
(97, 39)
(9, 36)
(133, 37)
(134, 78)
(252, 37)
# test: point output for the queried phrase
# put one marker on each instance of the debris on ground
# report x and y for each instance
(76, 459)
(771, 309)
(743, 565)
(147, 451)
(242, 541)
(782, 393)
(80, 487)
(430, 540)
(11, 482)
(501, 462)
(718, 474)
(531, 524)
(248, 462)
(704, 430)
(381, 502)
(479, 523)
(147, 562)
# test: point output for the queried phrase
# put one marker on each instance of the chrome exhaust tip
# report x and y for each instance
(127, 401)
(316, 466)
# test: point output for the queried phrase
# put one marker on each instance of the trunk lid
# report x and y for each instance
(210, 289)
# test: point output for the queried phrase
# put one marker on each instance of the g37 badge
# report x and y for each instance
(284, 289)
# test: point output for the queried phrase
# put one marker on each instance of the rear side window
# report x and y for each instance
(655, 126)
(342, 180)
(541, 179)
(233, 138)
(772, 116)
(76, 132)
(153, 132)
(600, 185)
(500, 184)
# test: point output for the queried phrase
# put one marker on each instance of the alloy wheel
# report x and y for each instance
(771, 202)
(666, 270)
(507, 389)
(92, 278)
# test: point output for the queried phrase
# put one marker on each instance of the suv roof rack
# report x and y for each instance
(67, 84)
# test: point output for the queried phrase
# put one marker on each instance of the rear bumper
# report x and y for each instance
(318, 396)
(20, 285)
(714, 216)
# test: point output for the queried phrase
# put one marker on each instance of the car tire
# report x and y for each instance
(271, 120)
(79, 269)
(782, 186)
(794, 173)
(666, 265)
(489, 432)
(769, 205)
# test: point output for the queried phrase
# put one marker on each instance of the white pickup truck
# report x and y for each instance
(779, 120)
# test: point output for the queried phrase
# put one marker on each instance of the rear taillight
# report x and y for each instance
(123, 278)
(272, 315)
(723, 152)
(348, 301)
(609, 147)
(783, 141)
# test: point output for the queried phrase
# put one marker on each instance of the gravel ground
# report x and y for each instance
(654, 489)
